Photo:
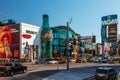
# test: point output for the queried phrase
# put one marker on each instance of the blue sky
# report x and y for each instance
(86, 14)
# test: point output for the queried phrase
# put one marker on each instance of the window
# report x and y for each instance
(31, 32)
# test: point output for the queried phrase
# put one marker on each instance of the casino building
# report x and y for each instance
(59, 40)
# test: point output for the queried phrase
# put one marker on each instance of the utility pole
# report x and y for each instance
(68, 43)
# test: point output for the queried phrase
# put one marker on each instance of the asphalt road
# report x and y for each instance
(40, 71)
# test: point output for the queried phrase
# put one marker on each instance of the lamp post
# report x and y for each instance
(68, 43)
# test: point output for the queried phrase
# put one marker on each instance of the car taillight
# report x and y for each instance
(106, 75)
(6, 69)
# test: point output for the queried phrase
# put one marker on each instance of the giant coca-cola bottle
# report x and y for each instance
(46, 38)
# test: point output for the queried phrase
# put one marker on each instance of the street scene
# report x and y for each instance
(78, 71)
(59, 40)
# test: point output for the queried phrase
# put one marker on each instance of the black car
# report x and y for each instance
(11, 68)
(105, 73)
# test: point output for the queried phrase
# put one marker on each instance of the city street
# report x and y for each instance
(78, 71)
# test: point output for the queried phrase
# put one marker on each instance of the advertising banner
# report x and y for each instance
(9, 41)
(103, 30)
(104, 34)
(112, 33)
(16, 41)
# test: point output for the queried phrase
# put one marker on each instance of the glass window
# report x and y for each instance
(101, 71)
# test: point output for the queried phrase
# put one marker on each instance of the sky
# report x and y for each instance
(86, 14)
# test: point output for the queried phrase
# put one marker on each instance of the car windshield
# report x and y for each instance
(119, 74)
(95, 58)
(101, 71)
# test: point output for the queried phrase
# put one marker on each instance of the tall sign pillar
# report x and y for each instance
(109, 30)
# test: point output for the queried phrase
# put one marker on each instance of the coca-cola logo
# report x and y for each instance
(27, 36)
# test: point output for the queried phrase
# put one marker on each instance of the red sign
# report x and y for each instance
(112, 33)
(27, 36)
(16, 53)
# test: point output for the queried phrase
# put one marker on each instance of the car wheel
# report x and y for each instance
(25, 70)
(11, 73)
(110, 78)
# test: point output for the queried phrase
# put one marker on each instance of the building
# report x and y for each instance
(88, 45)
(19, 41)
(59, 40)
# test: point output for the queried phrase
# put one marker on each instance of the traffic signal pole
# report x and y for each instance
(67, 46)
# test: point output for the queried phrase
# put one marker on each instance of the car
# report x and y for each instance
(105, 73)
(96, 60)
(10, 68)
(118, 76)
(104, 60)
(52, 62)
(62, 61)
(40, 61)
(72, 60)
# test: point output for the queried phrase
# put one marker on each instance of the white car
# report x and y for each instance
(52, 62)
(72, 60)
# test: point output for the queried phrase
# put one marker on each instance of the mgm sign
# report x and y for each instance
(109, 28)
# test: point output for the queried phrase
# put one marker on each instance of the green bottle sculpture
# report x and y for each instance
(46, 38)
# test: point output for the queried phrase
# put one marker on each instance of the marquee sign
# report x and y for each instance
(111, 19)
(109, 28)
(112, 33)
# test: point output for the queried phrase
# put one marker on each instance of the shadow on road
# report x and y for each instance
(38, 75)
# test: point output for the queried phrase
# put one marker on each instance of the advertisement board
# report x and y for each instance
(9, 41)
(104, 34)
(112, 33)
(103, 30)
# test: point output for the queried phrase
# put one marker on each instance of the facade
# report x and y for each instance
(59, 40)
(30, 41)
(88, 45)
(19, 41)
(99, 49)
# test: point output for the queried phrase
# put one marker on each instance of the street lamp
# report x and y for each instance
(68, 43)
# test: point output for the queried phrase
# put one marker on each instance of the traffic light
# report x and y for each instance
(74, 42)
(80, 44)
(93, 39)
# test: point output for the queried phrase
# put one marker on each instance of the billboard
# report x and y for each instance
(109, 21)
(9, 41)
(103, 31)
(112, 33)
